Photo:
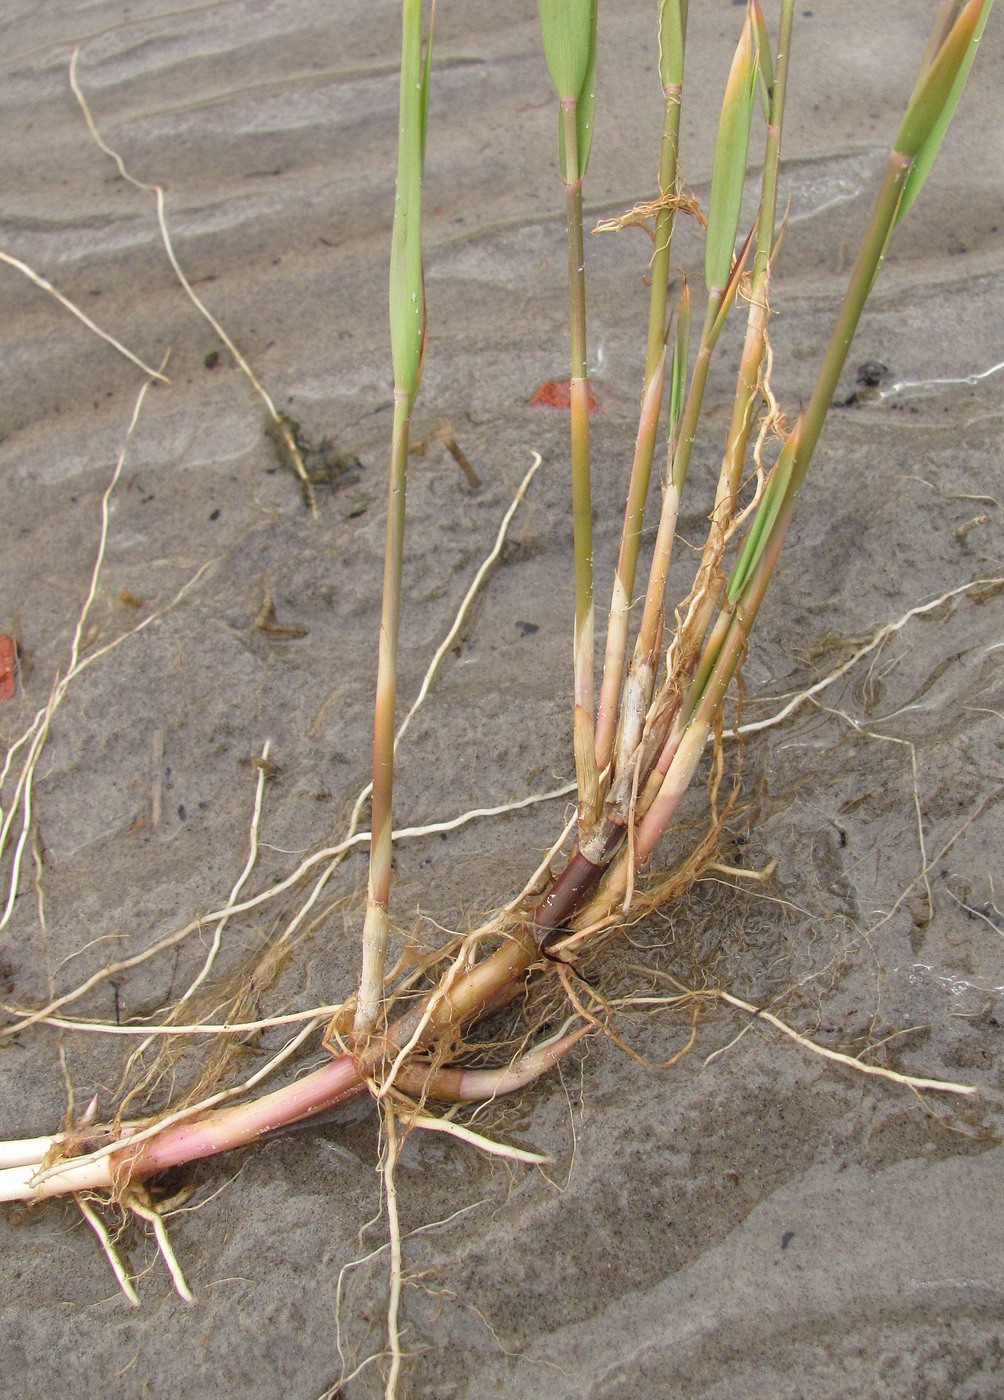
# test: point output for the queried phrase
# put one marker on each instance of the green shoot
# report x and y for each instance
(407, 323)
(568, 28)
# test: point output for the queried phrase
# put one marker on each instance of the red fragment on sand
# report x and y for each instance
(558, 394)
(8, 667)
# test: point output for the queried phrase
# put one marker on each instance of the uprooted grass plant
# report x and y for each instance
(409, 1034)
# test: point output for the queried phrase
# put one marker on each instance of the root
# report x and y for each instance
(81, 316)
(677, 201)
(684, 994)
(108, 1249)
(217, 939)
(38, 732)
(281, 425)
(139, 1203)
(874, 643)
(910, 1081)
(478, 1140)
(390, 1156)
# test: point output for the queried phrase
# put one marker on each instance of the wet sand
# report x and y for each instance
(760, 1224)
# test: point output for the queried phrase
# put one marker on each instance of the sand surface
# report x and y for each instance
(765, 1224)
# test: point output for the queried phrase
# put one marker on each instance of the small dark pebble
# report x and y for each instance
(871, 373)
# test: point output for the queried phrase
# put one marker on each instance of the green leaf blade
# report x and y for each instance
(935, 88)
(728, 174)
(931, 144)
(568, 29)
(759, 533)
(567, 67)
(678, 374)
(407, 294)
(765, 61)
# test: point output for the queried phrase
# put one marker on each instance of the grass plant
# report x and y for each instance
(642, 735)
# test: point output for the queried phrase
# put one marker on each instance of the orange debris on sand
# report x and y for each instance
(8, 667)
(558, 394)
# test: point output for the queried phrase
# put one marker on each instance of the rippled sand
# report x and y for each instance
(761, 1225)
